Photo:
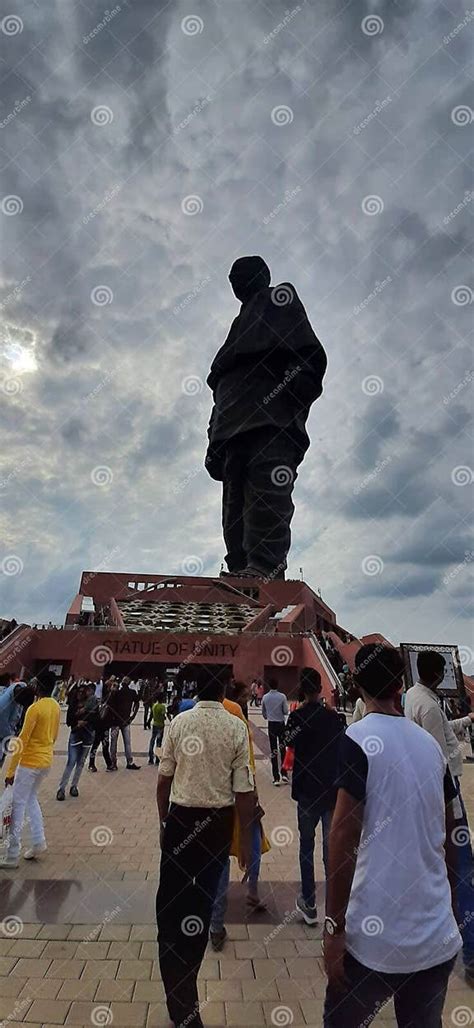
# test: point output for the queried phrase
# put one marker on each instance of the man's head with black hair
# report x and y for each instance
(378, 671)
(310, 684)
(24, 695)
(46, 683)
(431, 666)
(272, 683)
(211, 683)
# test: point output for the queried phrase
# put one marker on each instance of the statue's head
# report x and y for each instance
(247, 276)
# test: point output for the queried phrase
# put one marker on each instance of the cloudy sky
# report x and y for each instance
(142, 151)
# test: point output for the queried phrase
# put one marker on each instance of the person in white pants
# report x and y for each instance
(31, 759)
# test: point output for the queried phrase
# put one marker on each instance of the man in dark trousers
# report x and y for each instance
(275, 709)
(122, 708)
(314, 732)
(205, 776)
(264, 379)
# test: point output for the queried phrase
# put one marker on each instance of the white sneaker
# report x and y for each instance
(276, 781)
(285, 779)
(35, 851)
(7, 861)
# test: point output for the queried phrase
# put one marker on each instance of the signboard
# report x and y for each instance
(452, 684)
(55, 668)
(171, 648)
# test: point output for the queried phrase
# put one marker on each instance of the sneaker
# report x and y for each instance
(309, 913)
(7, 861)
(132, 767)
(218, 939)
(276, 781)
(285, 779)
(35, 851)
(74, 791)
(92, 767)
(60, 795)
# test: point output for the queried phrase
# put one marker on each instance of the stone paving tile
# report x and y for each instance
(12, 986)
(150, 991)
(270, 968)
(136, 970)
(113, 989)
(127, 950)
(51, 1010)
(13, 1007)
(65, 969)
(235, 969)
(26, 967)
(77, 989)
(93, 950)
(54, 931)
(99, 969)
(40, 988)
(64, 950)
(260, 989)
(230, 989)
(249, 1014)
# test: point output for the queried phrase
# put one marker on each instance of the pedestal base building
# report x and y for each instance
(159, 625)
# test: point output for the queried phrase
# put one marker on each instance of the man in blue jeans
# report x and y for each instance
(314, 732)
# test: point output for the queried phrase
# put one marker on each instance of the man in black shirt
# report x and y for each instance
(122, 708)
(314, 732)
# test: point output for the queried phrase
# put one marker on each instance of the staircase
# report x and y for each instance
(324, 661)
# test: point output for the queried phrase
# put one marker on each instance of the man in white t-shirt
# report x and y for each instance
(390, 929)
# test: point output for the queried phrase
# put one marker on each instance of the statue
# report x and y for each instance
(264, 379)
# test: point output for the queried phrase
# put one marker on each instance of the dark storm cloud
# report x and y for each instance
(102, 207)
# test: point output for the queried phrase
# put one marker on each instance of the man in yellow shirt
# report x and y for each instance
(29, 764)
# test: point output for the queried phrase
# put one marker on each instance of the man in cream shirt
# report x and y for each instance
(422, 707)
(204, 775)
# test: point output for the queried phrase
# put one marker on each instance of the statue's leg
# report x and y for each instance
(268, 506)
(233, 507)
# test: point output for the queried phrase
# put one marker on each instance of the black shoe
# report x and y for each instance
(74, 791)
(218, 939)
(133, 767)
(92, 767)
(157, 761)
(60, 795)
(112, 767)
(152, 762)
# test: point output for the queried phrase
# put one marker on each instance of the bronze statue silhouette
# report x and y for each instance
(264, 379)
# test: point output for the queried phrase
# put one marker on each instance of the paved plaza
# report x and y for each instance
(78, 939)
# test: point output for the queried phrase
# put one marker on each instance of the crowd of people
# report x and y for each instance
(385, 788)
